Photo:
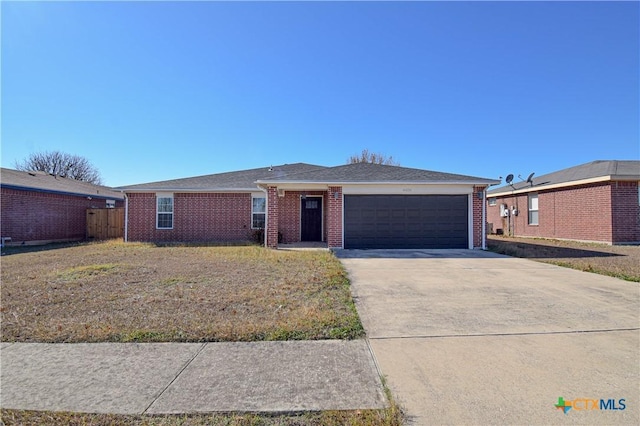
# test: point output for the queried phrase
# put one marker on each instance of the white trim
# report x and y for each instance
(529, 209)
(409, 189)
(470, 220)
(173, 208)
(321, 215)
(254, 196)
(326, 184)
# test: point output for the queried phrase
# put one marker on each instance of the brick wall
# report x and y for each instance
(605, 212)
(29, 216)
(273, 205)
(197, 217)
(625, 212)
(334, 217)
(289, 214)
(477, 216)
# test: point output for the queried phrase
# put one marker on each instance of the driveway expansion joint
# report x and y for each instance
(524, 333)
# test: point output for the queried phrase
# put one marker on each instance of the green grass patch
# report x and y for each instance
(81, 272)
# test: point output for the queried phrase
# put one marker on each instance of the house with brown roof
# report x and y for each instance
(39, 208)
(361, 205)
(595, 202)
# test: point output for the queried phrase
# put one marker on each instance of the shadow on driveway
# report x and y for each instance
(414, 254)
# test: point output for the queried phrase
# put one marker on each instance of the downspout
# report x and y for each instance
(126, 218)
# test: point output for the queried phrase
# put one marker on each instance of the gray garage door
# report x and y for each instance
(406, 221)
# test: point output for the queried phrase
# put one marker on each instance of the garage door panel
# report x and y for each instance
(406, 221)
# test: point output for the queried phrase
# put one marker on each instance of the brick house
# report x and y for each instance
(350, 206)
(597, 202)
(39, 208)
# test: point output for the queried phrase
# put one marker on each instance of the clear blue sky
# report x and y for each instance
(159, 90)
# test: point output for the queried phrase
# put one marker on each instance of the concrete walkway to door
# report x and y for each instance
(471, 337)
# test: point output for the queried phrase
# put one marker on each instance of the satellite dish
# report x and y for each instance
(509, 178)
(530, 178)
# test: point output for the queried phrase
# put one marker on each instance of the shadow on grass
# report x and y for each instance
(9, 250)
(541, 251)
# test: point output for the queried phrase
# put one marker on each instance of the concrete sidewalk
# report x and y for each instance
(159, 378)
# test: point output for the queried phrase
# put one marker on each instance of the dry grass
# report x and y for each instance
(325, 418)
(616, 261)
(117, 292)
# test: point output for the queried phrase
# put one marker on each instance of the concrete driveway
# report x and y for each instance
(471, 337)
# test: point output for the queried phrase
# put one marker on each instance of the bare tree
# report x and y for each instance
(61, 164)
(372, 157)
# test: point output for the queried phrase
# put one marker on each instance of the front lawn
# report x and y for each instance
(131, 292)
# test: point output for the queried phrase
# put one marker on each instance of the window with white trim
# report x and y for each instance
(258, 212)
(164, 215)
(533, 209)
(492, 201)
(111, 204)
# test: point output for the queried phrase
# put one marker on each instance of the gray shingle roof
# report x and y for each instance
(238, 180)
(627, 169)
(41, 181)
(378, 173)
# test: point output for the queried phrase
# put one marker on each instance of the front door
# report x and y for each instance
(311, 219)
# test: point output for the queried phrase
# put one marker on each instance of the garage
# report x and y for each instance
(406, 221)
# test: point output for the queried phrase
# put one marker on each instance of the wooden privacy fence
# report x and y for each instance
(105, 223)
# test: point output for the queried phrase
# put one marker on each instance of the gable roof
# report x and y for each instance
(44, 182)
(243, 180)
(376, 173)
(595, 171)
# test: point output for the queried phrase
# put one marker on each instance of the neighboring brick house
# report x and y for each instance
(597, 202)
(350, 206)
(39, 208)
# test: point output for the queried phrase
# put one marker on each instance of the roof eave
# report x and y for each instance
(61, 192)
(558, 185)
(188, 190)
(401, 182)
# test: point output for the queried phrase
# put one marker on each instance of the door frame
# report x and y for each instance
(321, 215)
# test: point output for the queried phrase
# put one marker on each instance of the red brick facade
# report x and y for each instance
(478, 202)
(197, 217)
(604, 212)
(625, 212)
(272, 217)
(334, 217)
(289, 214)
(39, 216)
(200, 217)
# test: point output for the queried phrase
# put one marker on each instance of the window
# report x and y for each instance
(492, 201)
(311, 204)
(533, 209)
(258, 212)
(111, 204)
(164, 212)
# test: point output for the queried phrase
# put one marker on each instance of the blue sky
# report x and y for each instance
(159, 90)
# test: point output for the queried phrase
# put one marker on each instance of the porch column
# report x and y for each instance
(334, 217)
(272, 217)
(479, 228)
